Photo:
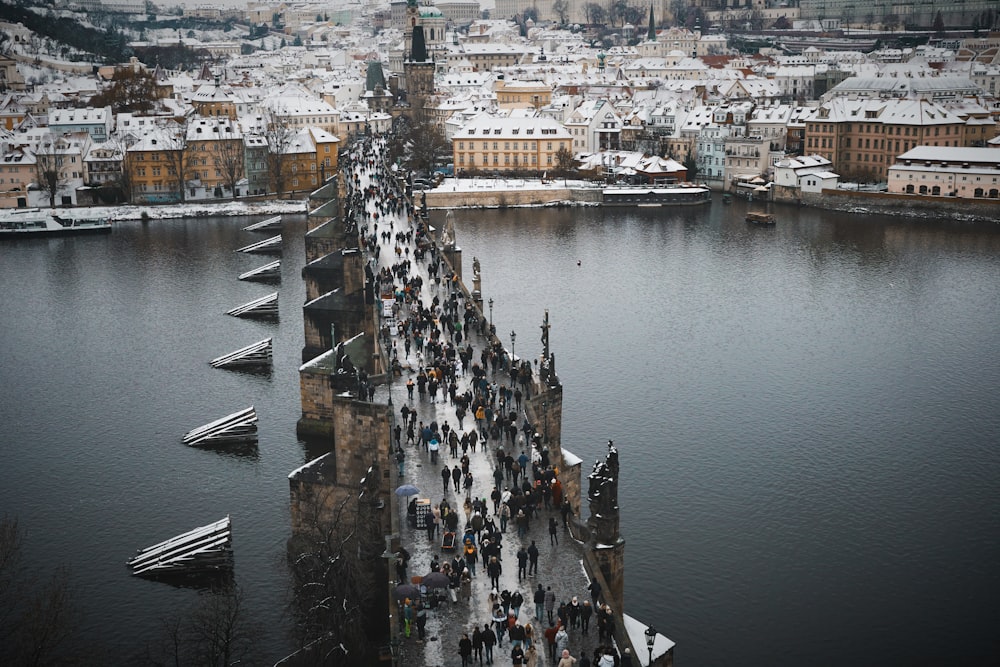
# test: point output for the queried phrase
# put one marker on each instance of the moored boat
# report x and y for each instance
(21, 223)
(760, 218)
(683, 194)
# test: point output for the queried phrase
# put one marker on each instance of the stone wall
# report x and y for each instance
(885, 203)
(361, 436)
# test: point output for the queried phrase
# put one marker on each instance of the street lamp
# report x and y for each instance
(491, 314)
(650, 640)
(513, 337)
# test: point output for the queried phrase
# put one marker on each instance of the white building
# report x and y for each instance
(938, 171)
(809, 173)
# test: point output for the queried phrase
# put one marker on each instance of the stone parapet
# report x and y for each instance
(495, 198)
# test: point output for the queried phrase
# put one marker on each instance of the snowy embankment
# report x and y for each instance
(189, 210)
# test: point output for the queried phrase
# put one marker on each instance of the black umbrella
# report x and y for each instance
(404, 591)
(436, 580)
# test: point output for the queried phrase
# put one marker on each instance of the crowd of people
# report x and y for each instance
(457, 369)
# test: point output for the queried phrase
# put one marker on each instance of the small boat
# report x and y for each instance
(759, 218)
(727, 198)
(22, 223)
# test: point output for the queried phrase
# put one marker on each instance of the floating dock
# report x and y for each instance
(271, 246)
(204, 550)
(267, 273)
(268, 225)
(239, 427)
(265, 306)
(255, 354)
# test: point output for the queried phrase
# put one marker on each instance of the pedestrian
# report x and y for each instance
(532, 559)
(489, 639)
(531, 656)
(550, 640)
(400, 457)
(465, 649)
(586, 611)
(522, 563)
(516, 600)
(456, 476)
(595, 591)
(562, 641)
(553, 531)
(573, 611)
(477, 644)
(607, 659)
(494, 570)
(626, 658)
(550, 603)
(539, 600)
(566, 660)
(421, 618)
(499, 622)
(445, 477)
(407, 616)
(504, 517)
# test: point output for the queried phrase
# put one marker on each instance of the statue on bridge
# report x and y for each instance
(448, 231)
(603, 497)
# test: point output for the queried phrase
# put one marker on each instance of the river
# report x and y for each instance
(807, 416)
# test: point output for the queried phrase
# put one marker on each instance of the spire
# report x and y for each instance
(418, 51)
(651, 33)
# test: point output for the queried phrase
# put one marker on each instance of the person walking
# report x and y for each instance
(562, 641)
(489, 640)
(494, 570)
(553, 531)
(421, 618)
(586, 611)
(522, 563)
(566, 660)
(531, 656)
(445, 478)
(550, 603)
(532, 559)
(550, 640)
(465, 649)
(477, 645)
(539, 600)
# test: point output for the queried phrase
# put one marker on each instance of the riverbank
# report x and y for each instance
(187, 210)
(511, 192)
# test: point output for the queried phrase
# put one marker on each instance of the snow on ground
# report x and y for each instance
(188, 210)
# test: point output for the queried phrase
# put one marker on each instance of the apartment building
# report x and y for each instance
(520, 143)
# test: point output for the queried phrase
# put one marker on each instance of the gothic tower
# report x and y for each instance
(418, 70)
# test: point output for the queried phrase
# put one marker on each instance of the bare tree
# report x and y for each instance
(333, 560)
(48, 168)
(36, 619)
(219, 633)
(561, 9)
(230, 157)
(175, 154)
(279, 140)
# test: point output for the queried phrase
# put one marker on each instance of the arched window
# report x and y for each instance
(936, 190)
(994, 193)
(978, 192)
(923, 189)
(909, 189)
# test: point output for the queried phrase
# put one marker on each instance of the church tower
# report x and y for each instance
(418, 71)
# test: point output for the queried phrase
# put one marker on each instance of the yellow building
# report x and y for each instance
(522, 94)
(509, 144)
(309, 158)
(213, 153)
(152, 167)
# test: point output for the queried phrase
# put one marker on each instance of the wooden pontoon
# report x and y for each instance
(267, 273)
(204, 550)
(268, 225)
(239, 427)
(265, 306)
(255, 354)
(266, 247)
(760, 218)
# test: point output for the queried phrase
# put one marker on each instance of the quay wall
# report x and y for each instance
(887, 203)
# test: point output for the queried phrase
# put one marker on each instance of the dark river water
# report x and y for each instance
(807, 417)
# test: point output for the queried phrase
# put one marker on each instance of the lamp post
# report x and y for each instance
(513, 337)
(490, 302)
(650, 640)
